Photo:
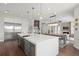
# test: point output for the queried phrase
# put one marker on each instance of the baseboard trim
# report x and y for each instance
(10, 40)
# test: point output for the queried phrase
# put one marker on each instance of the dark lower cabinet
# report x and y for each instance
(28, 47)
(32, 49)
(21, 42)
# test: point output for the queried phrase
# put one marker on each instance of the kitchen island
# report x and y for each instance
(39, 45)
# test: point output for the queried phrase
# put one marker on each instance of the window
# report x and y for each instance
(12, 27)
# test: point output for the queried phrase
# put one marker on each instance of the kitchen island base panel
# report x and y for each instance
(39, 45)
(48, 47)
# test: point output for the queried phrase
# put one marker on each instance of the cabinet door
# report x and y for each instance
(32, 49)
(18, 41)
(27, 48)
(21, 42)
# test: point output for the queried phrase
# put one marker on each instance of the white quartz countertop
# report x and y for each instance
(37, 38)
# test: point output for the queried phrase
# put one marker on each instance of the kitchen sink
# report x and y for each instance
(26, 35)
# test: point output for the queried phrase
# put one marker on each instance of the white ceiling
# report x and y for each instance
(24, 10)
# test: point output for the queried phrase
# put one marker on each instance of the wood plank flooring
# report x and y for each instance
(10, 48)
(68, 50)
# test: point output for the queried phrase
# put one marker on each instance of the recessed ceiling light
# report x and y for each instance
(49, 9)
(6, 11)
(53, 24)
(41, 17)
(55, 13)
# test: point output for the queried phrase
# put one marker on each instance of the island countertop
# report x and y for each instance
(39, 44)
(37, 38)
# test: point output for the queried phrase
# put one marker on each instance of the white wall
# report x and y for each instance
(1, 29)
(11, 19)
(25, 26)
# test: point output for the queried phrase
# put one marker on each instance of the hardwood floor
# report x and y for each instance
(10, 48)
(68, 50)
